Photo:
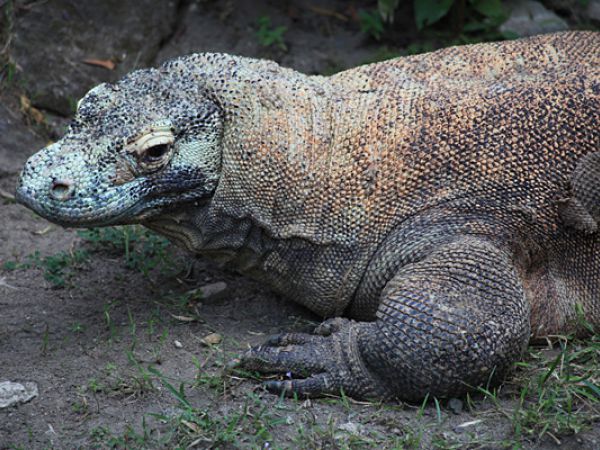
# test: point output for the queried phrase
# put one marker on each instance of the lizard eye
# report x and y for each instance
(157, 151)
(153, 149)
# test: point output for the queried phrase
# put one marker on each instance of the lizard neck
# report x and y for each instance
(276, 148)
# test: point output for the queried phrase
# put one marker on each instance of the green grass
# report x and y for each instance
(142, 250)
(560, 390)
(189, 426)
(552, 394)
(58, 269)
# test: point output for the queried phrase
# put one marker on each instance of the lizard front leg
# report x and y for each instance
(456, 319)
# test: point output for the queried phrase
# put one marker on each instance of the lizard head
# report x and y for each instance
(148, 142)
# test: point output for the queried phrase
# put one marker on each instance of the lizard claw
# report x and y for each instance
(331, 326)
(315, 364)
(293, 353)
(307, 387)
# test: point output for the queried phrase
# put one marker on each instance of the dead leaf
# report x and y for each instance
(43, 231)
(34, 113)
(183, 318)
(327, 12)
(106, 63)
(25, 103)
(192, 426)
(211, 339)
(7, 196)
(5, 284)
(470, 423)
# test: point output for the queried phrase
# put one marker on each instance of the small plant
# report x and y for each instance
(428, 12)
(32, 260)
(58, 268)
(383, 53)
(419, 47)
(7, 73)
(269, 36)
(110, 324)
(371, 23)
(80, 406)
(142, 249)
(469, 21)
(253, 421)
(45, 340)
(11, 265)
(94, 386)
(387, 8)
(77, 327)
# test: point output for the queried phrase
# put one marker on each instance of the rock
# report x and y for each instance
(593, 11)
(352, 428)
(52, 39)
(17, 142)
(571, 10)
(211, 339)
(13, 393)
(455, 405)
(56, 125)
(337, 45)
(528, 18)
(177, 344)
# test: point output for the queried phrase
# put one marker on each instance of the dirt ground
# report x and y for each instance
(115, 345)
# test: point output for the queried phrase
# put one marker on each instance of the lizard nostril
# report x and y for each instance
(61, 189)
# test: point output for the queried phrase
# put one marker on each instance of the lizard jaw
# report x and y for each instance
(85, 216)
(100, 212)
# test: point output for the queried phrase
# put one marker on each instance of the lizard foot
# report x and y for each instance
(326, 362)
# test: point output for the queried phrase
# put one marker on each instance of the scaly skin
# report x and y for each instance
(445, 203)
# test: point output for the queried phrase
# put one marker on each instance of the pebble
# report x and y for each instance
(593, 10)
(455, 405)
(529, 17)
(12, 393)
(351, 428)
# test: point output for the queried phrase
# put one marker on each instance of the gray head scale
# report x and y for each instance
(148, 142)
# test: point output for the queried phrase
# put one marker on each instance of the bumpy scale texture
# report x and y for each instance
(445, 203)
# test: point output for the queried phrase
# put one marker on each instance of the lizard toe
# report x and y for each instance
(313, 386)
(297, 359)
(331, 326)
(313, 364)
(283, 339)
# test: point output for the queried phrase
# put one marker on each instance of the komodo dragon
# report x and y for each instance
(446, 203)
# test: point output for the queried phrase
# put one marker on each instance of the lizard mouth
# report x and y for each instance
(83, 216)
(90, 214)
